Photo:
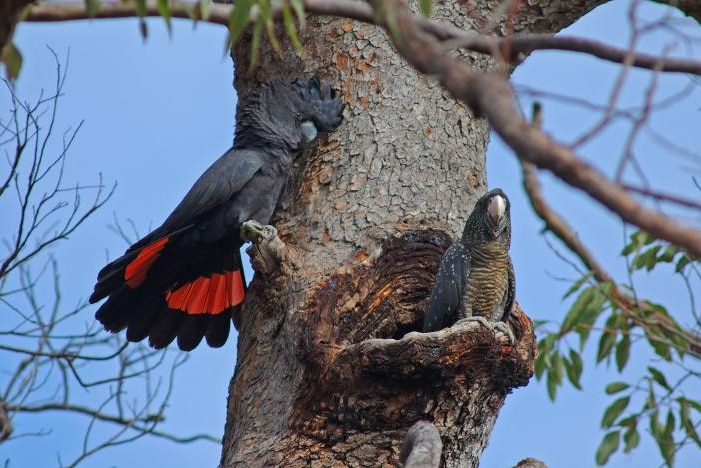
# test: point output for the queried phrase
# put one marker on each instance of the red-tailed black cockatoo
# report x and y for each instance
(185, 278)
(475, 278)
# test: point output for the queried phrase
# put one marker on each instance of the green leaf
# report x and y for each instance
(628, 249)
(542, 362)
(577, 310)
(614, 411)
(694, 404)
(682, 262)
(539, 323)
(666, 440)
(555, 373)
(606, 343)
(141, 8)
(658, 377)
(292, 29)
(92, 7)
(164, 11)
(655, 427)
(238, 19)
(652, 258)
(204, 9)
(622, 352)
(631, 438)
(607, 447)
(686, 422)
(298, 7)
(390, 19)
(12, 58)
(662, 349)
(670, 424)
(255, 43)
(668, 254)
(577, 285)
(650, 401)
(266, 12)
(616, 387)
(643, 238)
(425, 7)
(637, 240)
(583, 332)
(574, 369)
(641, 261)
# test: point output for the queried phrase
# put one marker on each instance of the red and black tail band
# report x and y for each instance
(163, 291)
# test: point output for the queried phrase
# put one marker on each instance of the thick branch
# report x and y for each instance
(512, 47)
(51, 12)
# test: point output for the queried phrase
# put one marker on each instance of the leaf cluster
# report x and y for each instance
(620, 319)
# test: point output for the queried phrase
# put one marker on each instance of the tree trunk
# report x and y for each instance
(326, 373)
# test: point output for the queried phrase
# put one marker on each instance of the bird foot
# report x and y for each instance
(267, 250)
(477, 318)
(506, 330)
(493, 326)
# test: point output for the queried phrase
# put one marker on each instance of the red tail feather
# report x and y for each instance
(205, 295)
(135, 273)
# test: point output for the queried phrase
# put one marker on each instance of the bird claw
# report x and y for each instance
(255, 233)
(476, 318)
(267, 250)
(493, 326)
(506, 330)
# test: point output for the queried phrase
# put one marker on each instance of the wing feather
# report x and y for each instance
(451, 279)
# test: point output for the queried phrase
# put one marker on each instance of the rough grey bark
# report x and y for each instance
(325, 374)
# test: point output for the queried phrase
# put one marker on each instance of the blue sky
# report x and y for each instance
(157, 113)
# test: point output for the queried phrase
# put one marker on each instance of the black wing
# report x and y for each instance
(219, 183)
(451, 280)
(510, 293)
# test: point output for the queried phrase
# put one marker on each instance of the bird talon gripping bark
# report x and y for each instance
(267, 251)
(254, 232)
(477, 318)
(506, 330)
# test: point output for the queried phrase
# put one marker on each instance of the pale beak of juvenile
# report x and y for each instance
(309, 131)
(496, 208)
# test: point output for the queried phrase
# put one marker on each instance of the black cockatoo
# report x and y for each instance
(185, 278)
(475, 278)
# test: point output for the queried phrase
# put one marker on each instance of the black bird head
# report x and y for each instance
(490, 219)
(289, 115)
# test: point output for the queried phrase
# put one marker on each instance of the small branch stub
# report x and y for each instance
(422, 447)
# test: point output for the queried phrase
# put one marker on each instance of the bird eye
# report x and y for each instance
(298, 115)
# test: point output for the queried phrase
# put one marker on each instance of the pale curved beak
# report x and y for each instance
(309, 131)
(496, 208)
